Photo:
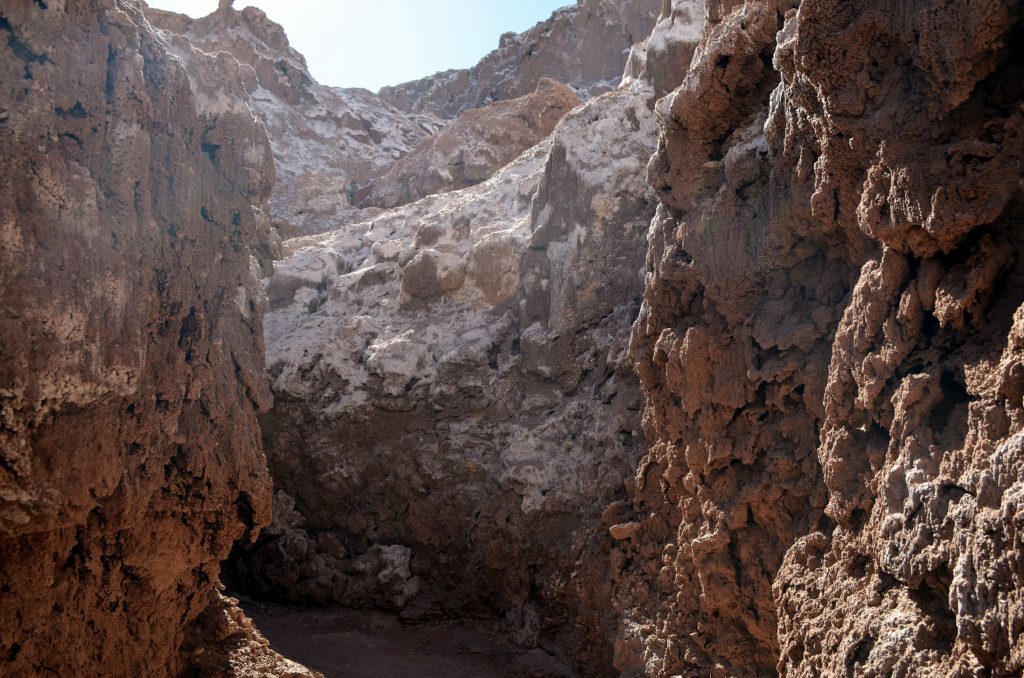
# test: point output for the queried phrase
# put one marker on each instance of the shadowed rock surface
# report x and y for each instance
(830, 349)
(345, 643)
(131, 354)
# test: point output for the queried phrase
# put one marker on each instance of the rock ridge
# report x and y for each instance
(584, 46)
(827, 347)
(326, 140)
(471, 148)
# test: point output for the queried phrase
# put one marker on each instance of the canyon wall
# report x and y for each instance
(454, 411)
(326, 140)
(131, 341)
(830, 349)
(584, 46)
(824, 348)
(452, 408)
(472, 148)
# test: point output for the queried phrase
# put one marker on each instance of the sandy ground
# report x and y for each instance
(343, 643)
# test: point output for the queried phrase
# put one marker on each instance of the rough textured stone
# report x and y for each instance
(472, 148)
(450, 378)
(131, 352)
(584, 46)
(831, 343)
(326, 140)
(225, 643)
(829, 346)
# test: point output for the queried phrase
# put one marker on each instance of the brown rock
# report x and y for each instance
(623, 531)
(829, 349)
(131, 352)
(584, 46)
(225, 643)
(472, 148)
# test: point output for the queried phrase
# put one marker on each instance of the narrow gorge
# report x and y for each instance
(673, 338)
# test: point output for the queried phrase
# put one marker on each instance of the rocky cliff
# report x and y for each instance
(584, 46)
(830, 349)
(724, 377)
(326, 140)
(442, 376)
(333, 145)
(131, 353)
(454, 411)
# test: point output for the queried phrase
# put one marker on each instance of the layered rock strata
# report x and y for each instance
(830, 349)
(584, 46)
(131, 354)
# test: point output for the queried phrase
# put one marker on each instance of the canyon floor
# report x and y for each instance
(346, 643)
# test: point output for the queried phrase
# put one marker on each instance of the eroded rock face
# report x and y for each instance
(451, 385)
(584, 46)
(450, 380)
(225, 643)
(830, 350)
(131, 352)
(326, 140)
(472, 148)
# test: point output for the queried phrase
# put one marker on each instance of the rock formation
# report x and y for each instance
(131, 353)
(453, 408)
(583, 45)
(472, 148)
(438, 390)
(787, 247)
(830, 349)
(326, 140)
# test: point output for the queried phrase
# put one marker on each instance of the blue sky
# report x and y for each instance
(371, 43)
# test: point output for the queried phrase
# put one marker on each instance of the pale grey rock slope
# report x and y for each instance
(331, 142)
(472, 148)
(451, 378)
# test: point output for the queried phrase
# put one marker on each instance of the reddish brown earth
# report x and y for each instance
(830, 346)
(131, 352)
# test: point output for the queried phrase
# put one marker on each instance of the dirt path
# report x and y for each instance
(344, 643)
